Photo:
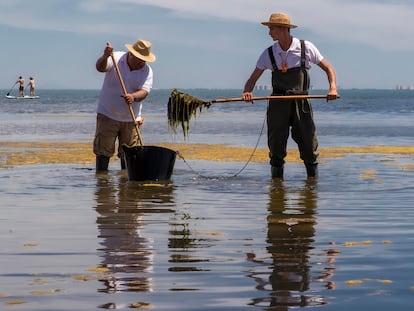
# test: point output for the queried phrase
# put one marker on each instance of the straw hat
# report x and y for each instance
(142, 50)
(279, 19)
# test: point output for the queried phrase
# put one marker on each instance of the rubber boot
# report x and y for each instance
(312, 170)
(277, 172)
(102, 163)
(123, 166)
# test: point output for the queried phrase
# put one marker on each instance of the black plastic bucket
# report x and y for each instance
(149, 162)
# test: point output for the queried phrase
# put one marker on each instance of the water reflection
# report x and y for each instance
(185, 246)
(290, 237)
(127, 254)
(183, 242)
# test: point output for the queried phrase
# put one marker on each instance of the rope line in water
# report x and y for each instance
(243, 167)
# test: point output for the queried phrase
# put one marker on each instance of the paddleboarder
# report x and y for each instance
(32, 86)
(290, 59)
(113, 116)
(21, 86)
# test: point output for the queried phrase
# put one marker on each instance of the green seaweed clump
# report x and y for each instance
(181, 108)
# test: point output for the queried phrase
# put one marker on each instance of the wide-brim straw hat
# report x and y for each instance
(142, 50)
(279, 19)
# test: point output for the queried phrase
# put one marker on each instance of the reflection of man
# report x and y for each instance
(125, 251)
(290, 236)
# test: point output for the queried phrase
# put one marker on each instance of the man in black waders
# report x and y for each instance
(289, 60)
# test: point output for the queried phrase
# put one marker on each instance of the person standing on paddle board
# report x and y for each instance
(113, 115)
(32, 86)
(289, 59)
(21, 86)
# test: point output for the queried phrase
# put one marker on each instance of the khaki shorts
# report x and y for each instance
(107, 133)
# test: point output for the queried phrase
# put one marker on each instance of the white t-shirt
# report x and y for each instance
(291, 56)
(111, 103)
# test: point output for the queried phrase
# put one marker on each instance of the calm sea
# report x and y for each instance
(210, 240)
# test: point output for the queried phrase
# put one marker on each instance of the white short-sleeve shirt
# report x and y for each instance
(291, 56)
(111, 103)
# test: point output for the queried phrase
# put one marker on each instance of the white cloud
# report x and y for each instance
(374, 23)
(214, 43)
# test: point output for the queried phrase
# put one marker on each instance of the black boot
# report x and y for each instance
(123, 166)
(277, 172)
(102, 163)
(312, 170)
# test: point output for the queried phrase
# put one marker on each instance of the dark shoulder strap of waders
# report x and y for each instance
(272, 57)
(302, 54)
(303, 64)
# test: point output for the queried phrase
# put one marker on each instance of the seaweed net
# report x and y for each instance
(181, 108)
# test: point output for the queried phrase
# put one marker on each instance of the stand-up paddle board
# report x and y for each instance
(22, 97)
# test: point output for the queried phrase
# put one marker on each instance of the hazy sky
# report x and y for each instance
(203, 44)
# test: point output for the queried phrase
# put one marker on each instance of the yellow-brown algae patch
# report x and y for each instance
(45, 292)
(375, 149)
(154, 185)
(209, 233)
(292, 220)
(357, 243)
(384, 281)
(99, 269)
(84, 278)
(224, 153)
(368, 174)
(141, 305)
(15, 302)
(25, 153)
(40, 282)
(353, 282)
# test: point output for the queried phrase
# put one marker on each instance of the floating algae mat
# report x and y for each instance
(29, 153)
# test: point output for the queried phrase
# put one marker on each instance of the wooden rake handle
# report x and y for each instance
(131, 111)
(280, 97)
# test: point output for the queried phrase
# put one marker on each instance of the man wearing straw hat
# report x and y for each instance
(113, 114)
(289, 59)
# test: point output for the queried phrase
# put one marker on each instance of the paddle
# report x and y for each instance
(8, 93)
(131, 111)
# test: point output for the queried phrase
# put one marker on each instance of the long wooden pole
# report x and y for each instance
(279, 97)
(131, 111)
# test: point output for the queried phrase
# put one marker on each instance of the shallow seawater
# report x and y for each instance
(213, 238)
(209, 240)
